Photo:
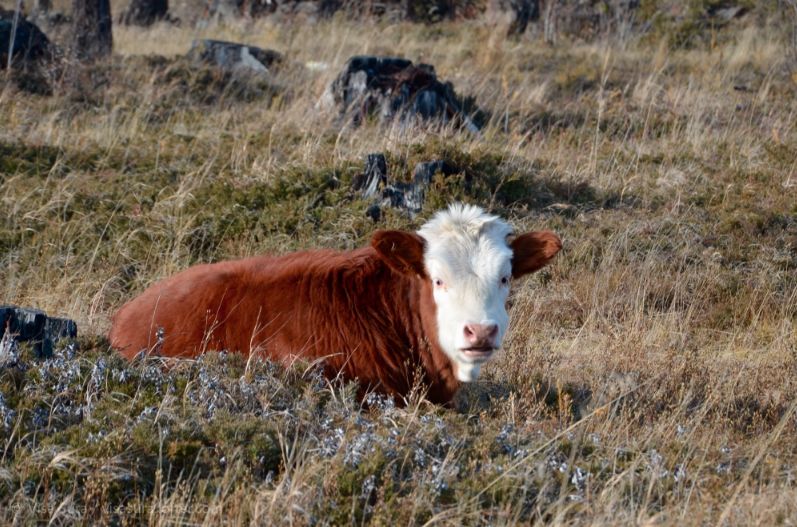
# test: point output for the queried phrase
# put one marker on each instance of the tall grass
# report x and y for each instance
(649, 373)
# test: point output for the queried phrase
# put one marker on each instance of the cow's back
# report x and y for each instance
(174, 311)
(273, 304)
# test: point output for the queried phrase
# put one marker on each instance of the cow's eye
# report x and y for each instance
(438, 282)
(505, 280)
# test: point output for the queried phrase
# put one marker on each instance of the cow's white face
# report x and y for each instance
(465, 255)
(469, 262)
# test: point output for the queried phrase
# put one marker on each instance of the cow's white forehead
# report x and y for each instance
(467, 239)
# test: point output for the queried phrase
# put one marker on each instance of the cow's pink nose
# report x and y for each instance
(481, 335)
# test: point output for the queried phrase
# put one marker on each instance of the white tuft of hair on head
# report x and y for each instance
(462, 219)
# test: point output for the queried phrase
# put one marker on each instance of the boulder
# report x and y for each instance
(33, 325)
(27, 42)
(231, 56)
(392, 88)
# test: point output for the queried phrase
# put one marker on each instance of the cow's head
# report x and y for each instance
(466, 259)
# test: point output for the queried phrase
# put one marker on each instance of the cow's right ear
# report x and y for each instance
(402, 251)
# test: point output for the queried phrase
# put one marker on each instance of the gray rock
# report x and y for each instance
(392, 88)
(232, 56)
(727, 14)
(27, 42)
(33, 325)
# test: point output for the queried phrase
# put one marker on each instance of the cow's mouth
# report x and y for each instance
(478, 353)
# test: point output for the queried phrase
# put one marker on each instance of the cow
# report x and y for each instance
(431, 302)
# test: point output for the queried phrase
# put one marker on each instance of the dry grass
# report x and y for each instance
(649, 375)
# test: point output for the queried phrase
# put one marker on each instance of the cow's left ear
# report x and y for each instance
(532, 251)
(402, 251)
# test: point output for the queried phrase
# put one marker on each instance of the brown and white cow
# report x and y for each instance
(432, 302)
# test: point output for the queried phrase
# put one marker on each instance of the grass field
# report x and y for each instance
(650, 373)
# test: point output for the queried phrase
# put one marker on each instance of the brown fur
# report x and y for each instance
(369, 314)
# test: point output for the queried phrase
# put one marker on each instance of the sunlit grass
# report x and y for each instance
(649, 373)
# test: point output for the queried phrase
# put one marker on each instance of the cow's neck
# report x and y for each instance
(403, 310)
(439, 370)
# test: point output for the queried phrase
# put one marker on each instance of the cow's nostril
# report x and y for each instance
(481, 334)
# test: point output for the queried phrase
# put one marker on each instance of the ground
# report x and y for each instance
(649, 375)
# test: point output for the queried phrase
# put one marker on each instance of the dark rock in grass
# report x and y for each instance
(33, 62)
(726, 13)
(234, 57)
(374, 212)
(393, 88)
(374, 183)
(27, 42)
(33, 325)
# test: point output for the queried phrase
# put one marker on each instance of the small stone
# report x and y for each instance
(374, 212)
(231, 56)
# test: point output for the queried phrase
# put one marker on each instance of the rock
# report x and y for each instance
(374, 212)
(32, 325)
(394, 88)
(375, 183)
(231, 56)
(726, 14)
(33, 56)
(27, 42)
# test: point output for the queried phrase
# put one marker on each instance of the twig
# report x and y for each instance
(13, 35)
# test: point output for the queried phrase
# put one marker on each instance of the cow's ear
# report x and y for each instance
(402, 251)
(532, 251)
